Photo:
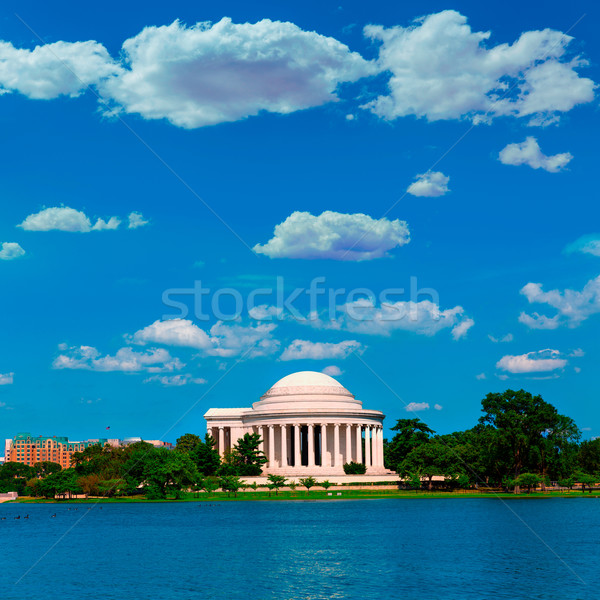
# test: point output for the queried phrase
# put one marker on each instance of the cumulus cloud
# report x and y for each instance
(460, 330)
(430, 184)
(63, 218)
(305, 349)
(135, 220)
(530, 153)
(174, 380)
(587, 244)
(223, 339)
(332, 371)
(214, 73)
(481, 376)
(424, 317)
(501, 340)
(441, 69)
(541, 361)
(153, 360)
(572, 306)
(10, 251)
(6, 378)
(335, 236)
(438, 406)
(416, 406)
(52, 70)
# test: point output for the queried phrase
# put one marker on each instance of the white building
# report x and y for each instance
(310, 425)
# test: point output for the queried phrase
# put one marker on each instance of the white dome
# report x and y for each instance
(307, 379)
(308, 390)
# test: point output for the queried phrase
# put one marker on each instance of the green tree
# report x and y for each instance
(569, 482)
(308, 482)
(588, 456)
(354, 468)
(230, 483)
(45, 468)
(206, 456)
(187, 443)
(586, 479)
(275, 482)
(411, 433)
(248, 455)
(326, 484)
(529, 480)
(520, 421)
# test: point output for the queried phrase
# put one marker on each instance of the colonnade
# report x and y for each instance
(321, 444)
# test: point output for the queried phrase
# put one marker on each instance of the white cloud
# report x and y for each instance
(577, 353)
(481, 376)
(416, 406)
(175, 380)
(223, 339)
(214, 73)
(460, 330)
(530, 153)
(438, 406)
(440, 69)
(53, 70)
(587, 244)
(501, 340)
(424, 317)
(304, 349)
(336, 236)
(136, 219)
(541, 361)
(153, 360)
(332, 371)
(264, 312)
(64, 218)
(577, 369)
(573, 306)
(430, 184)
(6, 378)
(10, 251)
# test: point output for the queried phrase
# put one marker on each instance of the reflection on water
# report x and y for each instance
(365, 549)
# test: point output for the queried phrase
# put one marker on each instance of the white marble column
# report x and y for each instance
(348, 456)
(368, 446)
(261, 432)
(336, 445)
(323, 443)
(311, 445)
(271, 447)
(221, 441)
(381, 446)
(297, 454)
(358, 443)
(284, 447)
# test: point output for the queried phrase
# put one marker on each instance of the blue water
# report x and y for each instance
(371, 549)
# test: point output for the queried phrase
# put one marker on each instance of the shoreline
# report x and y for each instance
(303, 497)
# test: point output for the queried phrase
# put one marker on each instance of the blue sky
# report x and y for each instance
(308, 113)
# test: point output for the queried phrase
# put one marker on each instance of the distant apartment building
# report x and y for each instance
(28, 450)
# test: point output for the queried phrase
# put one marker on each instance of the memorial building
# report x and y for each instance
(310, 424)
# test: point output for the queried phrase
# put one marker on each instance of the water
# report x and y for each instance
(363, 549)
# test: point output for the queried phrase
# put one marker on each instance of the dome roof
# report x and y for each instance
(307, 378)
(307, 389)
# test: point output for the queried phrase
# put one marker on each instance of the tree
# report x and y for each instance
(411, 433)
(206, 456)
(588, 457)
(89, 484)
(530, 480)
(208, 484)
(187, 443)
(354, 468)
(274, 482)
(569, 482)
(308, 482)
(520, 420)
(326, 484)
(430, 459)
(230, 483)
(586, 479)
(248, 455)
(45, 468)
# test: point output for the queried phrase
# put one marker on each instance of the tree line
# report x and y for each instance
(519, 441)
